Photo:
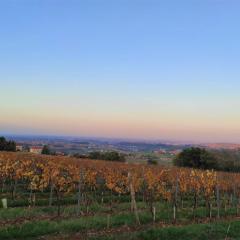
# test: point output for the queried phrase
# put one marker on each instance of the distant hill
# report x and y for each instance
(145, 147)
(230, 146)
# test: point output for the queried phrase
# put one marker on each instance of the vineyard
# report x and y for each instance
(97, 198)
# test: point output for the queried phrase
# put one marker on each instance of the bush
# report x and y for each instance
(108, 156)
(152, 162)
(196, 158)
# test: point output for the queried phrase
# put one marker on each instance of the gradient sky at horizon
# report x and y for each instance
(125, 68)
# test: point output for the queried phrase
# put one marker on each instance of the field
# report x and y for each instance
(65, 198)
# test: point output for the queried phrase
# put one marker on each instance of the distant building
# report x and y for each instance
(36, 149)
(60, 154)
(19, 148)
(161, 151)
(175, 152)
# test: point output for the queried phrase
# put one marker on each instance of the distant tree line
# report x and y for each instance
(220, 160)
(107, 156)
(5, 145)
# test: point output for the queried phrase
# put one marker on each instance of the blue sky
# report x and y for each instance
(137, 69)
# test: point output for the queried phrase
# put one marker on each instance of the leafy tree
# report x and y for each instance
(196, 158)
(5, 145)
(46, 150)
(220, 159)
(227, 160)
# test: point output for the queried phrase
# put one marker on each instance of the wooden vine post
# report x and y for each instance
(218, 201)
(133, 199)
(235, 200)
(51, 194)
(154, 214)
(79, 193)
(175, 200)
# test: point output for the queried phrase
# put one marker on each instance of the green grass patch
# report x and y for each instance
(213, 231)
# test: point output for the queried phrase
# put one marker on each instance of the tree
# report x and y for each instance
(46, 150)
(5, 145)
(227, 159)
(196, 158)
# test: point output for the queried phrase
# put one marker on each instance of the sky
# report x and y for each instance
(142, 69)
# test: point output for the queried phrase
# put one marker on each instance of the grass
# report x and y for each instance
(120, 216)
(213, 231)
(194, 232)
(39, 228)
(163, 211)
(66, 211)
(99, 222)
